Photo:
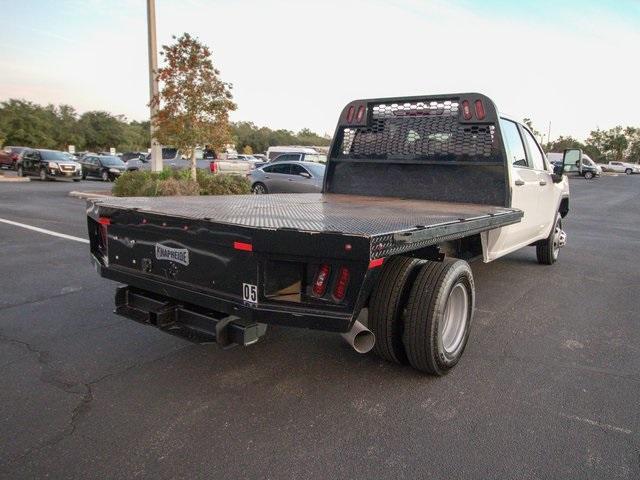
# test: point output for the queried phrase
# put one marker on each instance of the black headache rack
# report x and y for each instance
(433, 147)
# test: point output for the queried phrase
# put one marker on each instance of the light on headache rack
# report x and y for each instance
(360, 114)
(350, 113)
(466, 110)
(480, 114)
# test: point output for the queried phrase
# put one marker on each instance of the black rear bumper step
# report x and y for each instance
(191, 322)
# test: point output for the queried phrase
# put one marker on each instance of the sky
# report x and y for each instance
(295, 64)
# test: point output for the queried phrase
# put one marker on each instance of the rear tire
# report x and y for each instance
(588, 175)
(259, 188)
(628, 171)
(387, 304)
(547, 250)
(438, 316)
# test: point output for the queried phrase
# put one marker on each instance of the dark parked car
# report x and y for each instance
(48, 165)
(105, 167)
(9, 156)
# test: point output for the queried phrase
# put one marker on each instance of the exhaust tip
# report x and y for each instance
(364, 341)
(360, 338)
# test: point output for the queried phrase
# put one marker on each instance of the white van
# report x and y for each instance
(274, 152)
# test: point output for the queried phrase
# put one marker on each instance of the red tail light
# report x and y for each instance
(340, 290)
(321, 280)
(466, 110)
(360, 114)
(213, 166)
(479, 110)
(103, 223)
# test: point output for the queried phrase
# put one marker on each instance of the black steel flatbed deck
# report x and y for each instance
(322, 213)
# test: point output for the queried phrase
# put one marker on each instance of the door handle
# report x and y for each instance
(519, 183)
(267, 177)
(543, 183)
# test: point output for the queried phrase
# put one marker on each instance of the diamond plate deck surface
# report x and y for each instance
(359, 215)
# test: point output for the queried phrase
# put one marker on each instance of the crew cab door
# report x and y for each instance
(547, 196)
(530, 185)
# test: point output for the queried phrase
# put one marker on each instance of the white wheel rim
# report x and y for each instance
(455, 319)
(558, 239)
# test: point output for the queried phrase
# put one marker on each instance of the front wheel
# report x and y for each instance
(20, 171)
(105, 176)
(628, 171)
(547, 250)
(588, 175)
(438, 316)
(43, 175)
(259, 188)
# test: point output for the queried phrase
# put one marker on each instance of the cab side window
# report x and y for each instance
(536, 160)
(513, 141)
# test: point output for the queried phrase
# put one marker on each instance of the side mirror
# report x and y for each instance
(572, 160)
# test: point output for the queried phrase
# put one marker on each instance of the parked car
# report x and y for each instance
(261, 158)
(623, 167)
(253, 161)
(105, 167)
(48, 165)
(298, 152)
(230, 165)
(587, 167)
(287, 177)
(388, 239)
(9, 156)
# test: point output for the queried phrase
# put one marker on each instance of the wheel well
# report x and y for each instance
(564, 207)
(467, 248)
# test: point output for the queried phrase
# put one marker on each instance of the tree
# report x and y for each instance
(561, 143)
(101, 130)
(247, 150)
(194, 103)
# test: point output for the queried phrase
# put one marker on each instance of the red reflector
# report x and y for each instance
(340, 290)
(104, 221)
(466, 110)
(321, 280)
(213, 166)
(247, 247)
(350, 113)
(376, 263)
(479, 110)
(360, 114)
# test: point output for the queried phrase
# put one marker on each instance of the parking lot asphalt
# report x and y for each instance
(549, 386)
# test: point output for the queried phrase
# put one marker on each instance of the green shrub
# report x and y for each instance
(223, 184)
(171, 182)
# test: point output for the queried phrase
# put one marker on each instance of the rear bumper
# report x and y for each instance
(292, 316)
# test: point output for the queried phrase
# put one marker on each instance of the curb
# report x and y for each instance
(4, 179)
(87, 195)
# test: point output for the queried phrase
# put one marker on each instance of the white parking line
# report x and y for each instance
(45, 231)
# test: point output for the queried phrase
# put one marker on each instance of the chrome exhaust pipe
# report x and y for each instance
(360, 338)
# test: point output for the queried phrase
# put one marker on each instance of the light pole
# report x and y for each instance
(156, 150)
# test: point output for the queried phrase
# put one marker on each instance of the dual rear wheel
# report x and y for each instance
(421, 311)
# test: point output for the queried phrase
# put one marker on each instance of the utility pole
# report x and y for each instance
(156, 150)
(549, 134)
